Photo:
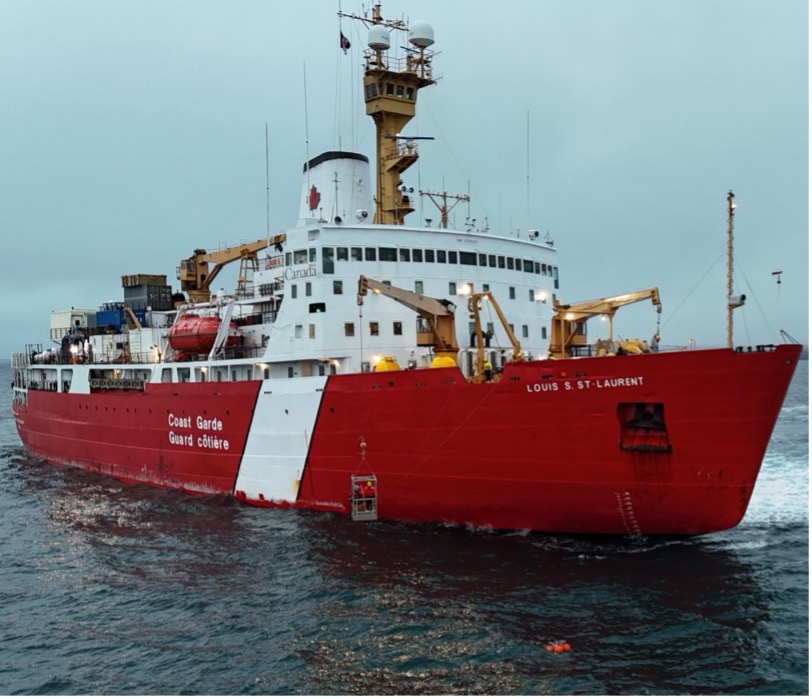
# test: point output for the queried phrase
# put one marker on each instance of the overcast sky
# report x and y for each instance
(132, 133)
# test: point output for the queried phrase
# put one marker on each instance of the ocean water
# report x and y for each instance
(108, 588)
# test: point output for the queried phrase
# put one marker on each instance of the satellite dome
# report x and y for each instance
(421, 34)
(378, 38)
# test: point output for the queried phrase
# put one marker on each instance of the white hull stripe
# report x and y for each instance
(279, 439)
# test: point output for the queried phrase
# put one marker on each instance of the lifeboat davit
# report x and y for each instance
(196, 334)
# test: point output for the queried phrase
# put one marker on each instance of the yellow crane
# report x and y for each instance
(568, 322)
(475, 306)
(439, 317)
(438, 314)
(196, 276)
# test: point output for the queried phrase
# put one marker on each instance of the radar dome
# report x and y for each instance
(378, 38)
(421, 34)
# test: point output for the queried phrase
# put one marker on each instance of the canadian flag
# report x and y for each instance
(345, 42)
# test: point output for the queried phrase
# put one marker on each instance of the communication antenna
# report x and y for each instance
(267, 187)
(307, 130)
(528, 168)
(440, 200)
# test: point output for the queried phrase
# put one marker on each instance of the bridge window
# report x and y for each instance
(387, 254)
(429, 255)
(397, 327)
(468, 258)
(528, 266)
(327, 264)
(417, 255)
(355, 254)
(349, 329)
(299, 257)
(441, 256)
(483, 260)
(370, 254)
(373, 328)
(510, 263)
(342, 254)
(405, 255)
(491, 260)
(312, 253)
(452, 257)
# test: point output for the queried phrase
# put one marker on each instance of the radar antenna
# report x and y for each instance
(390, 93)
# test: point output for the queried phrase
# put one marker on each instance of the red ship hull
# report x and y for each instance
(133, 436)
(554, 446)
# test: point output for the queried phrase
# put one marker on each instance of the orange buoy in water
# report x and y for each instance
(549, 647)
(566, 646)
(558, 647)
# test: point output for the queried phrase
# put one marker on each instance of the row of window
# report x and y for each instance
(386, 254)
(397, 329)
(374, 328)
(338, 289)
(380, 89)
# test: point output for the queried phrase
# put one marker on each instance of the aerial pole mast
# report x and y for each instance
(731, 207)
(445, 209)
(390, 93)
(732, 301)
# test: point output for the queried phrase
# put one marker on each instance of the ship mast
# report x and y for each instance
(390, 93)
(445, 209)
(732, 301)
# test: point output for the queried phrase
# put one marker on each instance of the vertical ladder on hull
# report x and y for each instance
(364, 498)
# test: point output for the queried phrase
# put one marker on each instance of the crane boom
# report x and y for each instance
(438, 314)
(567, 325)
(196, 277)
(474, 308)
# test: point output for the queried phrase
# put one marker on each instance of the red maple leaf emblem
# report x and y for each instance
(314, 198)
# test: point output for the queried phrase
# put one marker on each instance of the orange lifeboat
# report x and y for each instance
(196, 334)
